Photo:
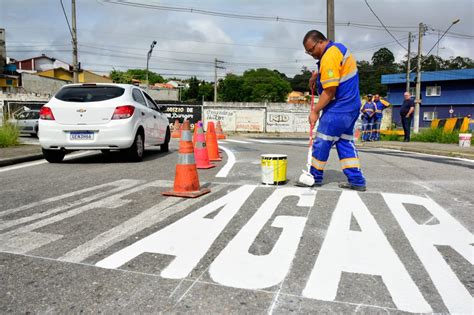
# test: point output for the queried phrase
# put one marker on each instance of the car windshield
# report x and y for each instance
(89, 93)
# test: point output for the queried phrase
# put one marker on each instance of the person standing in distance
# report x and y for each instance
(337, 81)
(406, 114)
(368, 118)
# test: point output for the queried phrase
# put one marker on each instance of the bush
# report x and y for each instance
(391, 137)
(8, 135)
(436, 135)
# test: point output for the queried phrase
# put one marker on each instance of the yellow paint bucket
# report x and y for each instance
(274, 168)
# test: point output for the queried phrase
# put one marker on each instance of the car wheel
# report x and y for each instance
(54, 156)
(136, 151)
(165, 147)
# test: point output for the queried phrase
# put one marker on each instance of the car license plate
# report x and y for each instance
(81, 135)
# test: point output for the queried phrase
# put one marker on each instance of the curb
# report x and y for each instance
(21, 159)
(425, 151)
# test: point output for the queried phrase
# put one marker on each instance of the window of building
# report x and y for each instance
(429, 116)
(433, 90)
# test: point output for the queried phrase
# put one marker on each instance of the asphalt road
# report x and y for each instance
(95, 234)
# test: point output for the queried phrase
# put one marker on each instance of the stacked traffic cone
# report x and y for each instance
(176, 130)
(220, 134)
(200, 149)
(195, 132)
(357, 134)
(186, 181)
(211, 142)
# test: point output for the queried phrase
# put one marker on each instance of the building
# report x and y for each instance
(296, 97)
(40, 63)
(67, 75)
(444, 94)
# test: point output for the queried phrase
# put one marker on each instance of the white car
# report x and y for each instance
(101, 117)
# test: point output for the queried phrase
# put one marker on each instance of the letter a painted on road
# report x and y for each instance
(367, 251)
(188, 239)
(236, 267)
(424, 238)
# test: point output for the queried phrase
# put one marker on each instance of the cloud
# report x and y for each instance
(118, 36)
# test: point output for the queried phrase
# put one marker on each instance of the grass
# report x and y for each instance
(391, 138)
(429, 135)
(8, 135)
(436, 135)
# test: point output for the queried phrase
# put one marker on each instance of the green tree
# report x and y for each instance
(300, 82)
(383, 57)
(230, 89)
(126, 77)
(459, 62)
(192, 93)
(206, 91)
(264, 85)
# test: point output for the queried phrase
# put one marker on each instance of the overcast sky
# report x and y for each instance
(116, 36)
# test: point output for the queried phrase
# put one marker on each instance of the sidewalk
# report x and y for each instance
(452, 150)
(20, 154)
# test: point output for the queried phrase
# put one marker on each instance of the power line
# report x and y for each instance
(245, 16)
(67, 20)
(373, 12)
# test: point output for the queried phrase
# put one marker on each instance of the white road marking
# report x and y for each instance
(188, 239)
(224, 171)
(13, 240)
(424, 238)
(61, 197)
(367, 251)
(236, 267)
(237, 141)
(278, 141)
(29, 164)
(120, 186)
(145, 219)
(426, 154)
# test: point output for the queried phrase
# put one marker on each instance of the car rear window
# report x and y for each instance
(89, 93)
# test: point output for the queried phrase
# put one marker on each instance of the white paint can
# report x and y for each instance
(465, 140)
(274, 169)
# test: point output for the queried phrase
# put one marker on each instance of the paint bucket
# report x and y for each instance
(465, 140)
(274, 169)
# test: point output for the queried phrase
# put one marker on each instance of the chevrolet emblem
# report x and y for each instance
(81, 110)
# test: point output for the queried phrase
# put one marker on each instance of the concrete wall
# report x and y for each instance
(258, 117)
(164, 94)
(40, 85)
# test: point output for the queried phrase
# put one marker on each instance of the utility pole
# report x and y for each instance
(330, 20)
(75, 68)
(408, 63)
(148, 56)
(416, 124)
(216, 62)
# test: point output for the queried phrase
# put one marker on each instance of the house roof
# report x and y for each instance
(40, 57)
(430, 76)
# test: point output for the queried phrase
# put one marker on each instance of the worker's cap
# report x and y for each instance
(369, 95)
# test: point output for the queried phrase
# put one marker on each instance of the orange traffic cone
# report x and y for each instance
(211, 142)
(195, 132)
(200, 149)
(220, 134)
(176, 130)
(186, 181)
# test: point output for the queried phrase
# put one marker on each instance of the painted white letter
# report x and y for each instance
(423, 239)
(236, 267)
(367, 251)
(188, 239)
